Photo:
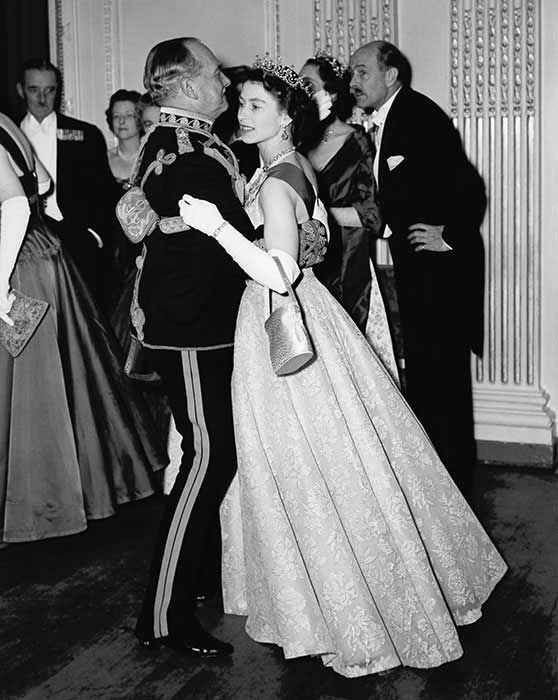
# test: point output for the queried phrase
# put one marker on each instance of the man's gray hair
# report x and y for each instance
(167, 64)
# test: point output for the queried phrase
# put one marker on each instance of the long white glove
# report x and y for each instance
(44, 185)
(259, 264)
(14, 215)
(324, 102)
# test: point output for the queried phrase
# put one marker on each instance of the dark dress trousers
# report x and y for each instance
(185, 312)
(85, 194)
(440, 293)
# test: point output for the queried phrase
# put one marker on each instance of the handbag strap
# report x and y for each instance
(286, 282)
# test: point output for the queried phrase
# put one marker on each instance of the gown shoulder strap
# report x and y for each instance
(296, 178)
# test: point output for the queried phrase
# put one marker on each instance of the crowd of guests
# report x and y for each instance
(329, 464)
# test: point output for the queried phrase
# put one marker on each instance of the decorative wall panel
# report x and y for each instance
(341, 26)
(495, 70)
(272, 24)
(86, 47)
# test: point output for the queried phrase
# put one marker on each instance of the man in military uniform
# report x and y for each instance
(185, 310)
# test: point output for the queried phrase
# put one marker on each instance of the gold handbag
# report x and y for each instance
(290, 346)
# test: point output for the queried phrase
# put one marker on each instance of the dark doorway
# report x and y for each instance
(23, 35)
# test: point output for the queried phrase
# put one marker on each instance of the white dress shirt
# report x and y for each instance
(43, 139)
(379, 119)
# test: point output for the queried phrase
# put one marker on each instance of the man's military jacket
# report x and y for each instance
(188, 287)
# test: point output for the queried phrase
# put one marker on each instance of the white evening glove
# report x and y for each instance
(320, 213)
(44, 185)
(14, 215)
(324, 103)
(257, 263)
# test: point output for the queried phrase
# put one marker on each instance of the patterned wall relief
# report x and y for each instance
(341, 26)
(495, 72)
(272, 37)
(83, 32)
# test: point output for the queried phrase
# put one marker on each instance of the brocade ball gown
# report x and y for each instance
(75, 439)
(343, 534)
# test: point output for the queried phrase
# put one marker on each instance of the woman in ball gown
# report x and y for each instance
(75, 440)
(343, 534)
(342, 160)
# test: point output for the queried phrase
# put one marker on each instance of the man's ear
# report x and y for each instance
(392, 76)
(189, 89)
(19, 89)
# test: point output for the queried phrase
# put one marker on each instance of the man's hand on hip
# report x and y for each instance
(428, 237)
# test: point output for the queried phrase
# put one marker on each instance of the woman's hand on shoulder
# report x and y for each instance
(200, 214)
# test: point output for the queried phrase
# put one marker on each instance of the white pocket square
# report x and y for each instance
(394, 161)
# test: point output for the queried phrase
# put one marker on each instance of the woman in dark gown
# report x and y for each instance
(342, 161)
(75, 438)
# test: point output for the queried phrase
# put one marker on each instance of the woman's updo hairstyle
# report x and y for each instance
(337, 79)
(167, 64)
(123, 96)
(294, 99)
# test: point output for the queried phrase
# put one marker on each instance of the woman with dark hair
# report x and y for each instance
(148, 111)
(342, 159)
(343, 534)
(123, 118)
(226, 125)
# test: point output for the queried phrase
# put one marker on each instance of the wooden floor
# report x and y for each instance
(67, 606)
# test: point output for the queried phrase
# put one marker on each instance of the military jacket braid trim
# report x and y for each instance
(193, 136)
(191, 122)
(186, 124)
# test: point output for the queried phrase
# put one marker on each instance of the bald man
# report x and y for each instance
(432, 202)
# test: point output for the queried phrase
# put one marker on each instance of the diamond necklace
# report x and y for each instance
(277, 158)
(124, 157)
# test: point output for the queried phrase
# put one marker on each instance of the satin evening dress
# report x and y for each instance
(76, 439)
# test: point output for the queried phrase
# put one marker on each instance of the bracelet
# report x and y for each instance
(219, 228)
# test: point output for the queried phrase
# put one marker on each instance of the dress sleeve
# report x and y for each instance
(365, 186)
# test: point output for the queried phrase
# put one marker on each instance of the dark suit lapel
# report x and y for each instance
(397, 120)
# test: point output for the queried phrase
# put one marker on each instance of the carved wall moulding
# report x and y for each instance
(494, 84)
(341, 26)
(272, 28)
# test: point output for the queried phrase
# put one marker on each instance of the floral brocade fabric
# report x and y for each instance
(343, 534)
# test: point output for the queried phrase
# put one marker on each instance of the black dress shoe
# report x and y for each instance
(148, 642)
(198, 643)
(202, 597)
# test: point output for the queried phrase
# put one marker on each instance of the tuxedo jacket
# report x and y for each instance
(84, 184)
(425, 177)
(189, 287)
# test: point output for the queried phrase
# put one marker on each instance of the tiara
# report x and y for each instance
(336, 65)
(285, 73)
